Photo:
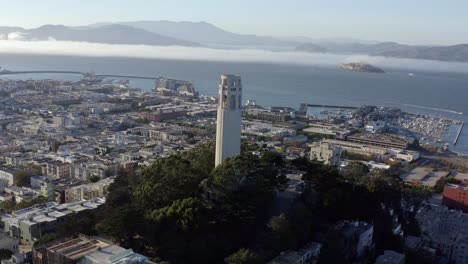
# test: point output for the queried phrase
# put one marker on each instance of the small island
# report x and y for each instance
(360, 67)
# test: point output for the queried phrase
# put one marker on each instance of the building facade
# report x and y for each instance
(456, 196)
(327, 153)
(228, 130)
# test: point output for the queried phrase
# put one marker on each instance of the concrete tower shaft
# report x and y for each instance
(228, 129)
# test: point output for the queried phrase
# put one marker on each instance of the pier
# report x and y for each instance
(303, 107)
(84, 74)
(458, 134)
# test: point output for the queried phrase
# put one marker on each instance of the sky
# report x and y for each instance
(405, 21)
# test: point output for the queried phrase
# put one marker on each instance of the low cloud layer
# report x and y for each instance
(14, 46)
(13, 36)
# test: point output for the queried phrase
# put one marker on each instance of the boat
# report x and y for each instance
(410, 74)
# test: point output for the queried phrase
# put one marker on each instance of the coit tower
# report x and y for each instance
(228, 129)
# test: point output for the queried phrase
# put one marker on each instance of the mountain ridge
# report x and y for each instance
(454, 53)
(110, 34)
(193, 34)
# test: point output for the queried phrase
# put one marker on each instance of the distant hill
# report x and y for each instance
(112, 34)
(457, 53)
(205, 33)
(6, 30)
(166, 33)
(309, 47)
(447, 53)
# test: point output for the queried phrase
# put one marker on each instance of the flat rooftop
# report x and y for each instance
(378, 137)
(461, 186)
(423, 176)
(77, 248)
(460, 176)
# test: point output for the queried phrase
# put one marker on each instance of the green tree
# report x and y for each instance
(175, 177)
(440, 184)
(121, 223)
(355, 169)
(331, 251)
(284, 238)
(5, 253)
(94, 178)
(187, 214)
(22, 178)
(29, 203)
(242, 256)
(46, 239)
(8, 205)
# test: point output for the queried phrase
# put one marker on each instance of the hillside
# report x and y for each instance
(458, 53)
(112, 34)
(205, 33)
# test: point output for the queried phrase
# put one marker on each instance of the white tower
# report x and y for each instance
(228, 130)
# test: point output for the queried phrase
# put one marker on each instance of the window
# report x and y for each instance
(240, 101)
(233, 102)
(224, 101)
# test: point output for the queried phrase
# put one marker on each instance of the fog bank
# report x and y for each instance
(52, 47)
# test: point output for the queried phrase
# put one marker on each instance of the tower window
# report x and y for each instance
(232, 102)
(224, 102)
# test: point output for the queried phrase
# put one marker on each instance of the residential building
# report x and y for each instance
(7, 173)
(115, 254)
(406, 155)
(267, 115)
(166, 134)
(460, 251)
(456, 196)
(86, 250)
(9, 243)
(444, 230)
(306, 255)
(375, 126)
(391, 257)
(327, 129)
(355, 238)
(325, 152)
(58, 170)
(88, 191)
(3, 184)
(44, 185)
(30, 224)
(167, 113)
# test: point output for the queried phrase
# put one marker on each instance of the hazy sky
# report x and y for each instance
(405, 21)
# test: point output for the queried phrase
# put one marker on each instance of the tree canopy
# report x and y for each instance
(182, 209)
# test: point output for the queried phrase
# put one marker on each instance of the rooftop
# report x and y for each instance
(461, 186)
(77, 248)
(49, 212)
(378, 137)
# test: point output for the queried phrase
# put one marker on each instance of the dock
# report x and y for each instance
(303, 107)
(84, 74)
(459, 133)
